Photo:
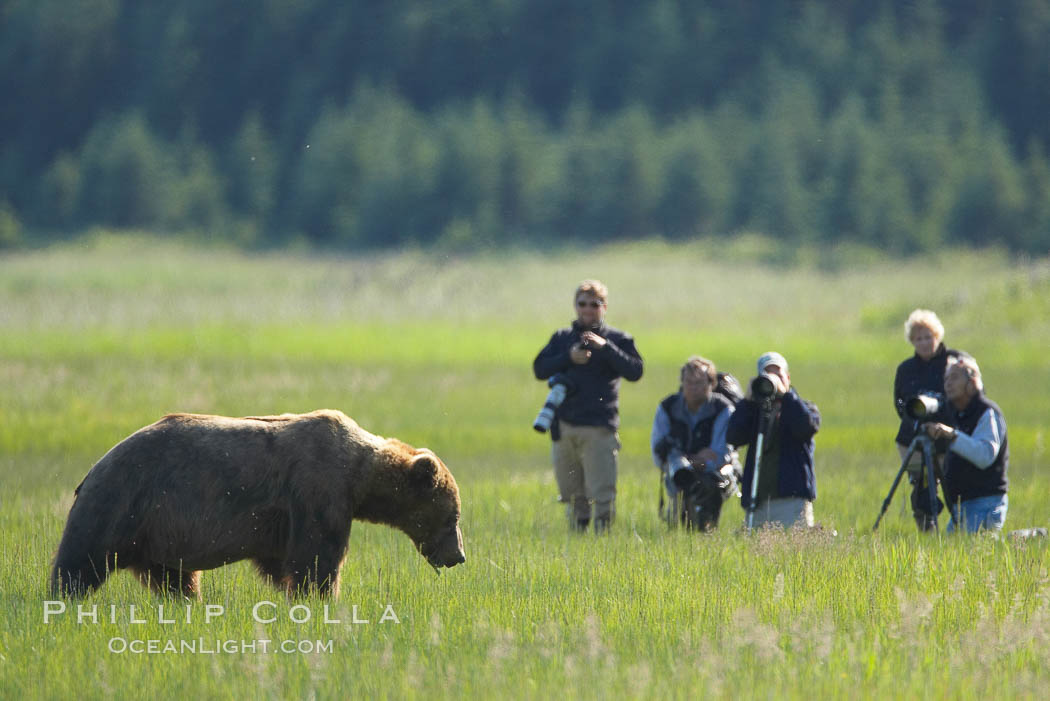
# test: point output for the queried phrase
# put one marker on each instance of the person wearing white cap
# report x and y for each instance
(786, 485)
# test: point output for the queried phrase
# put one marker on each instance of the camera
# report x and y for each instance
(679, 469)
(688, 478)
(923, 406)
(561, 387)
(763, 388)
(703, 493)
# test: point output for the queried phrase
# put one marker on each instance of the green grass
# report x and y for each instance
(103, 337)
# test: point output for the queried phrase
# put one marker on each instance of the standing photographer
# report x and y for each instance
(923, 373)
(978, 457)
(688, 443)
(786, 485)
(593, 357)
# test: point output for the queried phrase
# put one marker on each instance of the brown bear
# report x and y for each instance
(194, 492)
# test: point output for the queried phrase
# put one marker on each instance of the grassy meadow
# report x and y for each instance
(101, 337)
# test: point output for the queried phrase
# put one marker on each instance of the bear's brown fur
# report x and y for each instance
(194, 492)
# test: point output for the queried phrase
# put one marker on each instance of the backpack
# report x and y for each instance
(729, 388)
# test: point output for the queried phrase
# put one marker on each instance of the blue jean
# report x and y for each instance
(981, 513)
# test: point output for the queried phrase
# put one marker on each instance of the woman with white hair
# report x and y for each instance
(921, 373)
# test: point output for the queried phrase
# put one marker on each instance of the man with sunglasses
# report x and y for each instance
(593, 357)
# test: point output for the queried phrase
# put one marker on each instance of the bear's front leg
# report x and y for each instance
(316, 546)
(76, 574)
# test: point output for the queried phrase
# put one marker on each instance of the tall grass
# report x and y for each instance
(99, 339)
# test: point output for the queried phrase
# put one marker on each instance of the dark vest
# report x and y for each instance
(962, 479)
(686, 441)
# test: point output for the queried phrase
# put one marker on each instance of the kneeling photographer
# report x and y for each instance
(778, 426)
(688, 444)
(975, 466)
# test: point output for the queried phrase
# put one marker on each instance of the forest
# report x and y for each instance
(902, 125)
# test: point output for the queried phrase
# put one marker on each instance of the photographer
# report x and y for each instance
(923, 373)
(593, 356)
(689, 439)
(786, 484)
(978, 457)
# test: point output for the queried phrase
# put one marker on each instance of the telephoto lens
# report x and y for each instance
(684, 478)
(762, 387)
(560, 388)
(922, 406)
(680, 470)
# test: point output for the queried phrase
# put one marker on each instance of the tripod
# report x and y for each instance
(923, 443)
(765, 420)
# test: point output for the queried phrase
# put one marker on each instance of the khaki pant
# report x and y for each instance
(585, 469)
(792, 511)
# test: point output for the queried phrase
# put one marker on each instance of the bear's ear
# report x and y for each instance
(424, 470)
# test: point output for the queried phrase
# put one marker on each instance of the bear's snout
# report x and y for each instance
(458, 557)
(451, 560)
(447, 551)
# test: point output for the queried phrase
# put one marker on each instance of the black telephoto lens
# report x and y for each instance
(922, 406)
(762, 387)
(684, 478)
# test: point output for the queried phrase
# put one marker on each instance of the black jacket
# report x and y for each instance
(596, 398)
(799, 421)
(916, 375)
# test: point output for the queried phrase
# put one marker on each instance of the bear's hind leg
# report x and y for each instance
(271, 570)
(170, 581)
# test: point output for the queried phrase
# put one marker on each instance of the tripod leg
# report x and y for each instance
(660, 496)
(931, 478)
(754, 483)
(896, 481)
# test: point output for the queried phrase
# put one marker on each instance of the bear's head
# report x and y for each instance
(434, 524)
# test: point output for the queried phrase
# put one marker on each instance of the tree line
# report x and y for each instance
(350, 124)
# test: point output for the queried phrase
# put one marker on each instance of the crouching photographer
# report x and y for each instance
(778, 484)
(699, 469)
(975, 466)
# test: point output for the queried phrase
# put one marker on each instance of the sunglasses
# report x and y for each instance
(593, 304)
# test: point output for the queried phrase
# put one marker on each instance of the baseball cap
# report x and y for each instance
(772, 358)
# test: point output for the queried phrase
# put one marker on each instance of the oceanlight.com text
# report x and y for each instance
(213, 646)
